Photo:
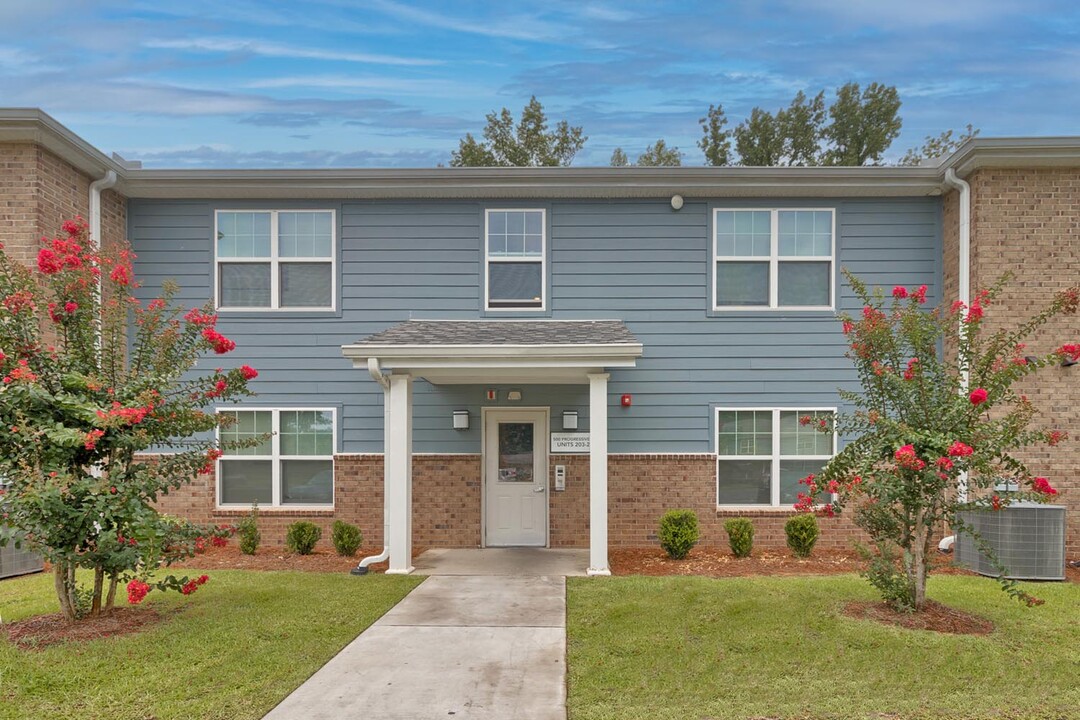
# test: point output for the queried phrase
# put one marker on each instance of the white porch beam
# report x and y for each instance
(598, 480)
(398, 473)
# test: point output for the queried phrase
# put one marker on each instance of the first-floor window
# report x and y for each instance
(290, 460)
(762, 454)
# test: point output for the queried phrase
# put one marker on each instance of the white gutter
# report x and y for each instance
(964, 273)
(103, 183)
(380, 377)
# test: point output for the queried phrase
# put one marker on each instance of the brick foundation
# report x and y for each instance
(447, 497)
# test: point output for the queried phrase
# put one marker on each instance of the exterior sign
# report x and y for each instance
(570, 442)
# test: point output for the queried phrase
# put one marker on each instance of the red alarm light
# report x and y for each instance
(627, 400)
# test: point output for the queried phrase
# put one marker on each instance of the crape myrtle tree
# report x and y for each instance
(920, 433)
(84, 391)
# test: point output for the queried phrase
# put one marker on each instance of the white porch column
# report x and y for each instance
(398, 474)
(598, 496)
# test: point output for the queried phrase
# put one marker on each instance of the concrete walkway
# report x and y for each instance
(458, 646)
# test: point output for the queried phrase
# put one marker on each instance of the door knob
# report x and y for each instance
(539, 489)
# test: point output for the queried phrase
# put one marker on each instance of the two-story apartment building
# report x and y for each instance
(554, 356)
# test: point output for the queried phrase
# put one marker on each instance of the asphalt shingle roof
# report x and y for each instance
(504, 332)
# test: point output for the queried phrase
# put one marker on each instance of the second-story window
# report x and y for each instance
(275, 259)
(515, 260)
(776, 258)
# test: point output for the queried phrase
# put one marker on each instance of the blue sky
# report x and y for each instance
(318, 83)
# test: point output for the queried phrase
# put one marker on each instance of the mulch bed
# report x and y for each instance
(719, 562)
(42, 631)
(935, 617)
(323, 560)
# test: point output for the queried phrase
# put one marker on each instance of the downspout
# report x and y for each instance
(103, 183)
(964, 273)
(378, 376)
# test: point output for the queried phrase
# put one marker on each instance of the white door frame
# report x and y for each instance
(541, 443)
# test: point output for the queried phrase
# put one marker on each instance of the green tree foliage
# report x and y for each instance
(660, 155)
(715, 141)
(917, 427)
(934, 147)
(791, 137)
(863, 126)
(529, 143)
(618, 158)
(83, 395)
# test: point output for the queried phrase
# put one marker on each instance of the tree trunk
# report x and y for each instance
(110, 600)
(918, 562)
(63, 594)
(99, 583)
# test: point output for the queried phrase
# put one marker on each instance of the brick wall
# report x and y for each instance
(38, 191)
(447, 503)
(1027, 222)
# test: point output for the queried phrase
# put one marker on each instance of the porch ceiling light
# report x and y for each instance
(461, 419)
(569, 420)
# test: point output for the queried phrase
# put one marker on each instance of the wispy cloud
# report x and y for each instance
(521, 26)
(213, 44)
(431, 87)
(218, 157)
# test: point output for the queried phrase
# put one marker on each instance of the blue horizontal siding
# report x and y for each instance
(637, 261)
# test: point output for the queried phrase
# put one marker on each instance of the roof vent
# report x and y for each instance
(1028, 538)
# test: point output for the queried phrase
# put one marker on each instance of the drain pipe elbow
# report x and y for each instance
(103, 183)
(964, 282)
(378, 376)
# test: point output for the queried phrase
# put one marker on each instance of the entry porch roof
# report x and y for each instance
(487, 351)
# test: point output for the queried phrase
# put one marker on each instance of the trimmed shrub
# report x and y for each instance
(347, 538)
(802, 533)
(301, 537)
(740, 536)
(248, 530)
(678, 532)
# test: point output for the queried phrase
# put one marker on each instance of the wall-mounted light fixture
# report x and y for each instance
(461, 419)
(1068, 362)
(1031, 359)
(676, 202)
(569, 420)
(513, 396)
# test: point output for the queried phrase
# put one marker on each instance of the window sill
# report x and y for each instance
(754, 510)
(239, 510)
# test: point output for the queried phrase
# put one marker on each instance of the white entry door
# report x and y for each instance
(515, 472)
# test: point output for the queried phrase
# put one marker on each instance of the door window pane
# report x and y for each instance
(804, 283)
(516, 452)
(307, 482)
(742, 283)
(244, 285)
(306, 284)
(744, 482)
(246, 481)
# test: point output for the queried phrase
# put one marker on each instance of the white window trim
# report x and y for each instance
(775, 259)
(542, 307)
(275, 459)
(775, 458)
(275, 259)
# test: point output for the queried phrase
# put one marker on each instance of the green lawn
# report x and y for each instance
(686, 647)
(236, 648)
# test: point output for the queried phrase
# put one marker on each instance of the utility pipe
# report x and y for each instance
(380, 377)
(964, 276)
